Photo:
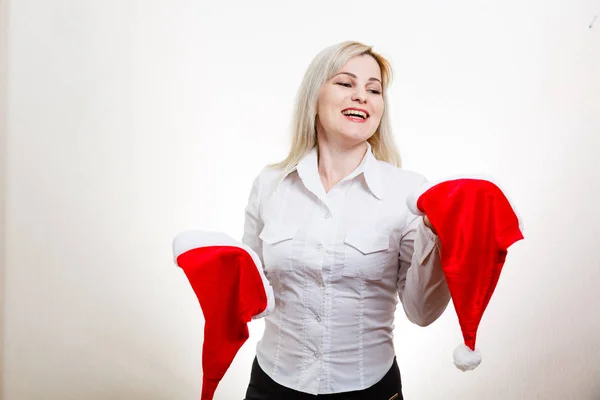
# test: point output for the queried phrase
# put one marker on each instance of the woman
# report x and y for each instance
(338, 243)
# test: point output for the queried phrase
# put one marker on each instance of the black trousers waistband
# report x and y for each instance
(262, 387)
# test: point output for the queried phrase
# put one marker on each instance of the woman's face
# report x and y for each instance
(350, 104)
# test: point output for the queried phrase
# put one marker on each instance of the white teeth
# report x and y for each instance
(355, 113)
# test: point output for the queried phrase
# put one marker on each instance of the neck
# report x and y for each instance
(336, 162)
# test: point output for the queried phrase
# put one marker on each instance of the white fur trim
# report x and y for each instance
(192, 239)
(412, 199)
(466, 359)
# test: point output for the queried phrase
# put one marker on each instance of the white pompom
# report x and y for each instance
(466, 359)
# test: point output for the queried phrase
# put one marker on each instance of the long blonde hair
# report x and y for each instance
(325, 64)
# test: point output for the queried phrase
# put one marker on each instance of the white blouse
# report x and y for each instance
(338, 262)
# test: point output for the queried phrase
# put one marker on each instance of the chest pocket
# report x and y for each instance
(365, 254)
(277, 248)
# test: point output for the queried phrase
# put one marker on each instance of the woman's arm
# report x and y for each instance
(253, 223)
(421, 283)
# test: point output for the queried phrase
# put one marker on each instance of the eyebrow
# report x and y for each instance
(355, 77)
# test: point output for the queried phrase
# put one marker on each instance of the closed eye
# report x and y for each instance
(374, 91)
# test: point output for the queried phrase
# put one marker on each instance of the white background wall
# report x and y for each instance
(129, 121)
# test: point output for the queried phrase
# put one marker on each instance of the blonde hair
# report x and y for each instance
(325, 64)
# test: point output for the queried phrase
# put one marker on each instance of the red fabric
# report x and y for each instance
(476, 225)
(230, 291)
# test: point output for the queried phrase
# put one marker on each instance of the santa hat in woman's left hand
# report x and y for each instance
(476, 225)
(229, 282)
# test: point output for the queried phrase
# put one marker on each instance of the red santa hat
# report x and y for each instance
(476, 224)
(228, 280)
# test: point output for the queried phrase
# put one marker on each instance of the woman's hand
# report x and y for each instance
(428, 224)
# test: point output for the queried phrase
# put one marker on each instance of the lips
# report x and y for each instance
(356, 114)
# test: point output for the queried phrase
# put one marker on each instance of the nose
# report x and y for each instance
(359, 95)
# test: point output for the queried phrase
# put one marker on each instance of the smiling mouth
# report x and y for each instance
(356, 115)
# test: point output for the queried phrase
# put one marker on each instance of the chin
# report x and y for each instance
(356, 138)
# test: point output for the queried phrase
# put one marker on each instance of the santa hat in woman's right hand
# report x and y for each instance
(232, 289)
(476, 225)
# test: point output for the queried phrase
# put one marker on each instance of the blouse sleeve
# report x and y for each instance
(422, 286)
(253, 223)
